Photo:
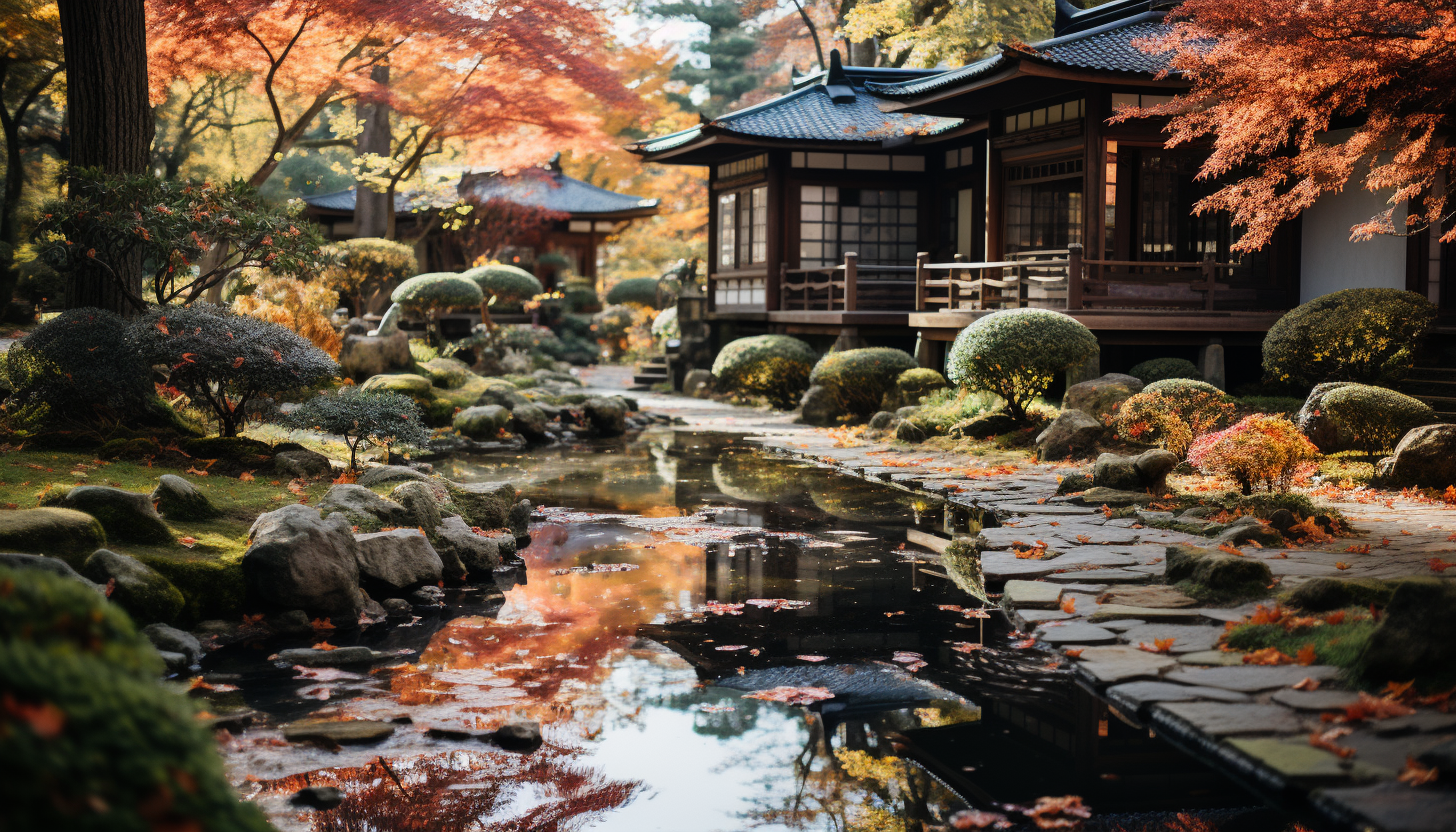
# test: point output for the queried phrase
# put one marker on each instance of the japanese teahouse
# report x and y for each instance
(1027, 196)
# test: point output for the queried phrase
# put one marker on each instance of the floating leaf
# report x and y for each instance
(792, 695)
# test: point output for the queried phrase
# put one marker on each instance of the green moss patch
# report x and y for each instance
(1339, 644)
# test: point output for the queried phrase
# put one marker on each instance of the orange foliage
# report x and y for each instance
(1159, 645)
(1268, 656)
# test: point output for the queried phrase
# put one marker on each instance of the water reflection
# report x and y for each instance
(673, 580)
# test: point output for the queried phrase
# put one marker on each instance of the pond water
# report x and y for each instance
(678, 586)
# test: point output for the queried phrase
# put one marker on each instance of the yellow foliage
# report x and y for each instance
(302, 307)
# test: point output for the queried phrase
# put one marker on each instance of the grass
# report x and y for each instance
(1339, 644)
(1354, 466)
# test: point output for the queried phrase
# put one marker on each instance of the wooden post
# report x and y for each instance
(1210, 281)
(921, 258)
(779, 286)
(1074, 276)
(851, 278)
(952, 290)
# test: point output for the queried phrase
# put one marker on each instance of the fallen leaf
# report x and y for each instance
(1414, 774)
(1342, 566)
(46, 719)
(246, 476)
(1059, 812)
(1159, 645)
(1363, 549)
(728, 647)
(792, 695)
(1073, 652)
(1327, 742)
(1268, 656)
(1307, 683)
(977, 819)
(1022, 645)
(189, 541)
(197, 472)
(1306, 655)
(812, 658)
(324, 645)
(1069, 605)
(1374, 707)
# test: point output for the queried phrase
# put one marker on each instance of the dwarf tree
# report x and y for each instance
(363, 418)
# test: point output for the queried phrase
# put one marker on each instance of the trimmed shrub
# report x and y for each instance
(1157, 369)
(82, 694)
(77, 367)
(302, 307)
(1370, 336)
(224, 361)
(353, 265)
(1017, 353)
(1376, 418)
(436, 292)
(856, 381)
(613, 327)
(776, 367)
(664, 326)
(641, 291)
(917, 383)
(1174, 413)
(508, 285)
(1260, 449)
(580, 298)
(363, 418)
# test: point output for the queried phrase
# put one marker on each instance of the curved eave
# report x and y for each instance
(624, 214)
(717, 143)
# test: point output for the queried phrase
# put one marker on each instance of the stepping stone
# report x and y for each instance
(1092, 556)
(1425, 722)
(1396, 807)
(1235, 614)
(1048, 509)
(1002, 566)
(1157, 597)
(338, 657)
(1217, 658)
(1078, 632)
(1317, 700)
(1121, 624)
(343, 732)
(1110, 665)
(1038, 616)
(1110, 576)
(1250, 678)
(1222, 719)
(1296, 759)
(1106, 612)
(1032, 594)
(1075, 587)
(1187, 638)
(1134, 695)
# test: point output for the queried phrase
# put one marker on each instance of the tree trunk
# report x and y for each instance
(9, 222)
(372, 209)
(111, 125)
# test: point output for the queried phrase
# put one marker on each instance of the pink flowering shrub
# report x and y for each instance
(1174, 416)
(1259, 450)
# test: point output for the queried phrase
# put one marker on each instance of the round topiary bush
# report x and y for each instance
(915, 384)
(856, 381)
(664, 326)
(1017, 353)
(1370, 336)
(1182, 387)
(580, 298)
(641, 291)
(510, 286)
(1174, 412)
(364, 418)
(1260, 449)
(77, 367)
(1376, 418)
(776, 367)
(436, 292)
(1157, 369)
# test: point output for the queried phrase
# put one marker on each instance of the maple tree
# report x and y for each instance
(929, 33)
(1302, 99)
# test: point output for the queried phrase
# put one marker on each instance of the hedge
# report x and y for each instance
(1157, 369)
(776, 367)
(1370, 336)
(1017, 353)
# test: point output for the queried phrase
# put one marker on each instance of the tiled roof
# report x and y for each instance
(345, 201)
(1108, 48)
(552, 191)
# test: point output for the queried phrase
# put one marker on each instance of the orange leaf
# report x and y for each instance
(1069, 605)
(1342, 566)
(324, 645)
(1305, 656)
(45, 719)
(246, 476)
(197, 472)
(1073, 652)
(1363, 549)
(189, 541)
(1373, 707)
(1268, 656)
(1327, 742)
(1415, 774)
(1159, 645)
(237, 362)
(1397, 690)
(1224, 547)
(1307, 683)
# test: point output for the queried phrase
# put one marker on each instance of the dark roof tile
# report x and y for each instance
(552, 191)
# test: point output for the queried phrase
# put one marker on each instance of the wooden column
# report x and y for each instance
(851, 281)
(1074, 276)
(921, 258)
(1210, 281)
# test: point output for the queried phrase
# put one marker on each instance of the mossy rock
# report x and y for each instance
(59, 532)
(1213, 576)
(449, 373)
(211, 586)
(146, 595)
(857, 381)
(483, 422)
(484, 505)
(1324, 594)
(135, 448)
(963, 564)
(127, 516)
(416, 387)
(1416, 638)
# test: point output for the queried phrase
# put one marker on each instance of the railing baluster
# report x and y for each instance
(921, 258)
(1210, 281)
(851, 281)
(1074, 276)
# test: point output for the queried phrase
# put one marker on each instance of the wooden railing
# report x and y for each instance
(1066, 280)
(848, 287)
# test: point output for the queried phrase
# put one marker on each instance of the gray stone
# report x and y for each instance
(383, 474)
(1032, 594)
(338, 657)
(1396, 807)
(1315, 700)
(1223, 719)
(1109, 665)
(397, 607)
(1294, 760)
(142, 591)
(1077, 632)
(1070, 434)
(300, 560)
(1134, 695)
(1313, 420)
(1109, 612)
(502, 395)
(818, 407)
(1251, 678)
(1154, 467)
(365, 356)
(1157, 597)
(174, 662)
(177, 499)
(482, 421)
(362, 507)
(1110, 576)
(1217, 658)
(698, 383)
(1101, 397)
(171, 639)
(529, 421)
(466, 553)
(126, 516)
(427, 596)
(1247, 529)
(340, 732)
(422, 502)
(400, 558)
(1121, 624)
(518, 520)
(1038, 616)
(42, 563)
(1112, 497)
(882, 420)
(1187, 638)
(1422, 722)
(1417, 631)
(1116, 472)
(607, 414)
(301, 463)
(519, 737)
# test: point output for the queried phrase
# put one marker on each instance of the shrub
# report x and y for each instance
(1157, 369)
(353, 265)
(641, 291)
(947, 407)
(1375, 417)
(776, 367)
(504, 285)
(302, 307)
(82, 695)
(1260, 449)
(664, 326)
(1174, 413)
(224, 361)
(856, 381)
(77, 367)
(1370, 336)
(1016, 354)
(436, 292)
(613, 327)
(580, 297)
(363, 418)
(915, 384)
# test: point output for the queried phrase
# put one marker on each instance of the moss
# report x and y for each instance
(59, 532)
(484, 509)
(236, 448)
(1347, 465)
(1323, 594)
(1334, 644)
(1214, 577)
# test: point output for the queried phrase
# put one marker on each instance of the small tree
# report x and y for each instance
(1260, 449)
(225, 361)
(1174, 412)
(111, 221)
(363, 418)
(434, 293)
(353, 265)
(1017, 353)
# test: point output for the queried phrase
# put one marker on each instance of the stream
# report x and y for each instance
(710, 638)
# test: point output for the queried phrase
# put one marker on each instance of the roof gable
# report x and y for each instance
(551, 190)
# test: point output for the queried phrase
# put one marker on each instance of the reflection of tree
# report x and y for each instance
(723, 715)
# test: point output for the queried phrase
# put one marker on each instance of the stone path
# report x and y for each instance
(1093, 599)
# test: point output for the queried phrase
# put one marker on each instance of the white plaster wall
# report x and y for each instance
(1330, 262)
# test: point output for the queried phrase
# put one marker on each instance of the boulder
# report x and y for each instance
(397, 608)
(1417, 633)
(463, 552)
(697, 383)
(518, 519)
(1216, 571)
(366, 356)
(1112, 497)
(381, 474)
(338, 657)
(1327, 434)
(399, 559)
(172, 640)
(1246, 529)
(486, 505)
(1117, 472)
(409, 384)
(1069, 434)
(607, 414)
(817, 407)
(301, 463)
(520, 737)
(421, 501)
(884, 420)
(135, 587)
(126, 516)
(449, 373)
(502, 394)
(1074, 484)
(1101, 397)
(363, 507)
(986, 425)
(910, 432)
(1426, 457)
(482, 421)
(1154, 467)
(55, 566)
(300, 560)
(177, 499)
(529, 421)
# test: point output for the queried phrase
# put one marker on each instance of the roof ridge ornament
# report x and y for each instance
(836, 82)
